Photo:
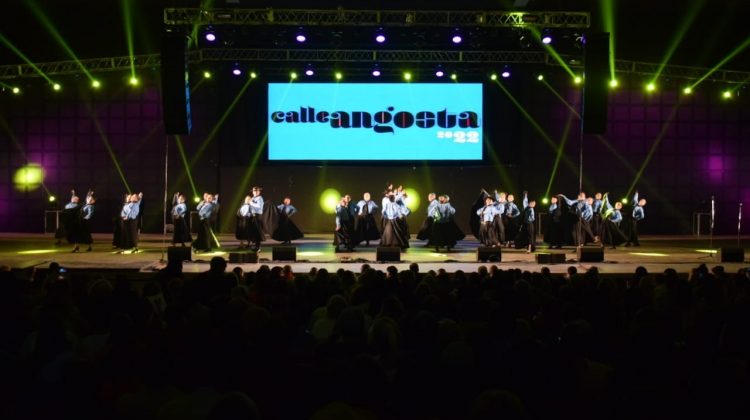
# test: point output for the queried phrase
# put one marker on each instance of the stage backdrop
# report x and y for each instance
(112, 141)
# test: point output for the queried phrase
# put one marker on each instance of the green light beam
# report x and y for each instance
(723, 61)
(654, 146)
(205, 5)
(56, 35)
(125, 4)
(506, 181)
(559, 155)
(181, 149)
(696, 6)
(105, 141)
(551, 51)
(608, 21)
(23, 57)
(242, 183)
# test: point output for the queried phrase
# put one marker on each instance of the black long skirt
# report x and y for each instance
(128, 234)
(345, 235)
(445, 234)
(83, 232)
(488, 234)
(612, 235)
(426, 229)
(206, 240)
(526, 235)
(181, 232)
(366, 229)
(498, 227)
(394, 233)
(68, 224)
(553, 232)
(286, 230)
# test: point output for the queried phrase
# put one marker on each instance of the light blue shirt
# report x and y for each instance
(131, 210)
(371, 206)
(432, 205)
(342, 215)
(597, 207)
(256, 205)
(512, 210)
(245, 210)
(206, 210)
(488, 213)
(87, 211)
(289, 210)
(179, 210)
(391, 209)
(71, 205)
(442, 212)
(638, 213)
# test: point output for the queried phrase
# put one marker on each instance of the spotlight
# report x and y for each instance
(688, 90)
(197, 199)
(52, 199)
(253, 75)
(210, 36)
(376, 71)
(505, 74)
(624, 200)
(236, 71)
(133, 81)
(301, 37)
(454, 76)
(96, 84)
(16, 90)
(439, 73)
(540, 77)
(293, 75)
(614, 83)
(56, 86)
(650, 87)
(338, 75)
(727, 94)
(207, 74)
(380, 36)
(309, 72)
(545, 200)
(546, 40)
(456, 39)
(407, 76)
(493, 76)
(577, 80)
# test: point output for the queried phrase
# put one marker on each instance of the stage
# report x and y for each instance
(656, 253)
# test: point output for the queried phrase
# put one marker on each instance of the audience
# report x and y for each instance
(274, 344)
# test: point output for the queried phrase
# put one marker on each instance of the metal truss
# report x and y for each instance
(271, 57)
(344, 17)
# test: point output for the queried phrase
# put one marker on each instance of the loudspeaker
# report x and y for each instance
(596, 83)
(489, 254)
(732, 255)
(388, 253)
(175, 85)
(179, 253)
(284, 253)
(550, 258)
(241, 257)
(590, 254)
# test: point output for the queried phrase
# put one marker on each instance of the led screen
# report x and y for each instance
(374, 121)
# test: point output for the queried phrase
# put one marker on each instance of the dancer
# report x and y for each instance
(130, 215)
(180, 231)
(501, 204)
(611, 217)
(344, 227)
(596, 221)
(401, 199)
(445, 232)
(636, 216)
(68, 219)
(513, 214)
(365, 226)
(553, 232)
(207, 209)
(393, 224)
(526, 237)
(243, 225)
(588, 217)
(487, 223)
(426, 228)
(82, 234)
(256, 233)
(286, 231)
(579, 210)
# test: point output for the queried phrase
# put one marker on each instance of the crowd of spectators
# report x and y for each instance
(274, 344)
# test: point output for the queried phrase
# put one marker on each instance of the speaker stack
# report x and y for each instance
(489, 254)
(175, 83)
(596, 83)
(388, 253)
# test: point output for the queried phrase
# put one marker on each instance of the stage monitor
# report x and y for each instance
(374, 121)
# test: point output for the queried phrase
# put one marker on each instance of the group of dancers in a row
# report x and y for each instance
(495, 220)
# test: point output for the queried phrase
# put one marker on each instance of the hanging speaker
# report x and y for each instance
(175, 85)
(596, 83)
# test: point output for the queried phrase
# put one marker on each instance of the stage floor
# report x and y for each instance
(656, 253)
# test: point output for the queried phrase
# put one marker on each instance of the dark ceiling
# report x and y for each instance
(644, 29)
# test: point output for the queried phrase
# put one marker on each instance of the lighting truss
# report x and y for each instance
(267, 56)
(345, 17)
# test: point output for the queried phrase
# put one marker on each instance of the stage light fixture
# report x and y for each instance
(454, 76)
(546, 37)
(577, 80)
(293, 75)
(506, 73)
(613, 83)
(52, 198)
(253, 75)
(456, 37)
(545, 200)
(338, 75)
(197, 199)
(328, 200)
(29, 177)
(207, 74)
(407, 76)
(380, 36)
(727, 94)
(650, 87)
(688, 90)
(376, 71)
(624, 200)
(56, 86)
(493, 76)
(236, 71)
(16, 90)
(540, 77)
(309, 72)
(439, 73)
(133, 81)
(210, 36)
(301, 37)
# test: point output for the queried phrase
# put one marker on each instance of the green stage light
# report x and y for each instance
(37, 251)
(687, 91)
(96, 84)
(206, 74)
(310, 253)
(56, 87)
(338, 75)
(293, 75)
(253, 75)
(134, 81)
(329, 198)
(52, 199)
(577, 80)
(540, 77)
(16, 90)
(613, 83)
(197, 199)
(707, 251)
(650, 254)
(650, 87)
(413, 199)
(545, 200)
(407, 76)
(29, 177)
(624, 200)
(727, 94)
(454, 76)
(493, 76)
